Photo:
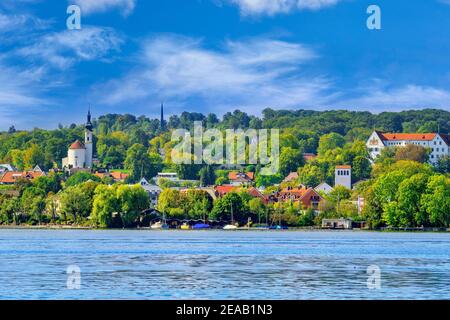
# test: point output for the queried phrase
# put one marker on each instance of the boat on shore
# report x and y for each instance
(185, 226)
(278, 227)
(159, 226)
(201, 226)
(231, 226)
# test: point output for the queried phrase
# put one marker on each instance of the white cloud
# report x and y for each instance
(99, 6)
(20, 22)
(21, 91)
(272, 7)
(379, 98)
(63, 49)
(250, 75)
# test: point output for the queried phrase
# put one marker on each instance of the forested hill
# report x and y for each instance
(115, 134)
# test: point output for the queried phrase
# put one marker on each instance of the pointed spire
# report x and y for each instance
(89, 125)
(162, 117)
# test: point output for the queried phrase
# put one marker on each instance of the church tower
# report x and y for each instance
(88, 140)
(163, 124)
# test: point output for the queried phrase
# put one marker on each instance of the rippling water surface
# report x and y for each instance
(223, 265)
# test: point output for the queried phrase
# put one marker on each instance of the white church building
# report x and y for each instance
(439, 144)
(80, 155)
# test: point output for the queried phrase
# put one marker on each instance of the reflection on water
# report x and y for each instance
(223, 265)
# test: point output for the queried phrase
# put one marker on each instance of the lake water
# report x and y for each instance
(223, 265)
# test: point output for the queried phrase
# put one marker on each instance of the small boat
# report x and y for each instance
(278, 228)
(159, 226)
(185, 226)
(201, 226)
(231, 226)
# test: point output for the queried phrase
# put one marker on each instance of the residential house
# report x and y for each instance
(291, 177)
(11, 177)
(241, 178)
(324, 187)
(308, 197)
(153, 192)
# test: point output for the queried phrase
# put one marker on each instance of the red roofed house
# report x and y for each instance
(223, 190)
(309, 157)
(116, 175)
(308, 197)
(438, 143)
(240, 178)
(255, 193)
(291, 177)
(11, 177)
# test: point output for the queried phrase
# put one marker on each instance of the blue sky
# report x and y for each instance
(219, 55)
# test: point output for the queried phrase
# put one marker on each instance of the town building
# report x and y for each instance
(439, 144)
(241, 178)
(153, 192)
(307, 157)
(117, 176)
(291, 177)
(308, 197)
(221, 191)
(337, 224)
(11, 177)
(171, 176)
(324, 187)
(80, 155)
(7, 167)
(343, 176)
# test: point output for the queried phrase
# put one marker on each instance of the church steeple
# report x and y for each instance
(163, 124)
(89, 125)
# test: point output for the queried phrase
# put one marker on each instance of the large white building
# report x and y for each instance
(439, 144)
(80, 155)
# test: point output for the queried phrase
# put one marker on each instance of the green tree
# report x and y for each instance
(257, 206)
(329, 142)
(141, 164)
(436, 200)
(412, 152)
(361, 168)
(310, 175)
(290, 160)
(105, 204)
(79, 178)
(132, 201)
(75, 203)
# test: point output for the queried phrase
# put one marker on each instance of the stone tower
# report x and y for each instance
(88, 140)
(343, 176)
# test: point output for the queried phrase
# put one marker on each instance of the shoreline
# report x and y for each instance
(293, 229)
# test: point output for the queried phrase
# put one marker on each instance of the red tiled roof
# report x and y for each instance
(77, 145)
(12, 177)
(223, 190)
(309, 156)
(119, 176)
(116, 175)
(343, 167)
(298, 192)
(407, 136)
(291, 177)
(239, 175)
